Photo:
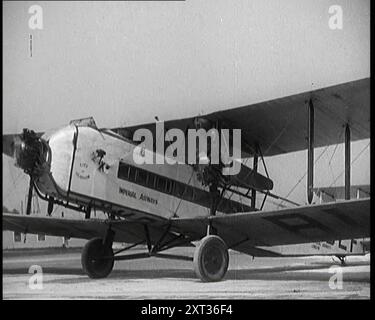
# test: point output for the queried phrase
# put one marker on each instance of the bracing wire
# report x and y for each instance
(352, 162)
(304, 175)
(330, 160)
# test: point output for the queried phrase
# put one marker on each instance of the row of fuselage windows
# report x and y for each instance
(175, 188)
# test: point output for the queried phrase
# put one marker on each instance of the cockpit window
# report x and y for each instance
(84, 122)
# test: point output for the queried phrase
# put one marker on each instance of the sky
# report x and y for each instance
(126, 62)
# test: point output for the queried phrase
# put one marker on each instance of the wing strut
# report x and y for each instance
(347, 162)
(310, 153)
(253, 191)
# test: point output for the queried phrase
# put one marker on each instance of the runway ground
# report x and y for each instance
(155, 278)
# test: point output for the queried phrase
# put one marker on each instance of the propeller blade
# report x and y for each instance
(9, 142)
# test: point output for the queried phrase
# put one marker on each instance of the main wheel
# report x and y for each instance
(211, 259)
(92, 259)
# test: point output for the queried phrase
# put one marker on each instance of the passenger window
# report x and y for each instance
(151, 180)
(188, 193)
(199, 195)
(142, 177)
(123, 171)
(179, 189)
(171, 187)
(161, 183)
(132, 174)
(192, 193)
(168, 185)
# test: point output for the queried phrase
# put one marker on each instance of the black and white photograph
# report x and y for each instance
(186, 150)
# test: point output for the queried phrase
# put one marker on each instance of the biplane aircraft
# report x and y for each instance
(164, 206)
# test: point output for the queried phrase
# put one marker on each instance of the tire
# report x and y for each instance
(93, 267)
(211, 259)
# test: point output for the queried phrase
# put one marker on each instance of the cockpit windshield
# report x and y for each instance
(84, 122)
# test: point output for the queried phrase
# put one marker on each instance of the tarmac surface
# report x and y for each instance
(156, 278)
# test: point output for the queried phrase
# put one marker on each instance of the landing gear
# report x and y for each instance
(211, 259)
(211, 256)
(97, 258)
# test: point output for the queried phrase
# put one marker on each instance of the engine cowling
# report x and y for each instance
(30, 152)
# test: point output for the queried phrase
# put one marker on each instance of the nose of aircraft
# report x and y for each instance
(27, 148)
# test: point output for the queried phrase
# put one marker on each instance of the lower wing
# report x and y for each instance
(125, 231)
(246, 232)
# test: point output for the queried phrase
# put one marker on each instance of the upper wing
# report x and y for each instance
(325, 222)
(280, 125)
(125, 231)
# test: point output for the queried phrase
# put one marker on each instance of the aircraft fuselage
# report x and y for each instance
(96, 168)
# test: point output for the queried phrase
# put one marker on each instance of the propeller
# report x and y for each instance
(9, 141)
(12, 141)
(28, 150)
